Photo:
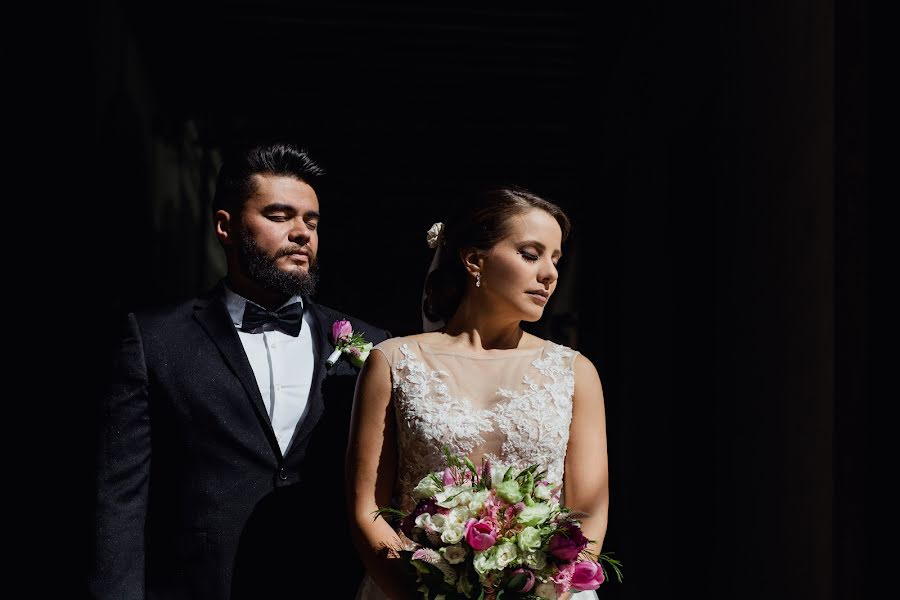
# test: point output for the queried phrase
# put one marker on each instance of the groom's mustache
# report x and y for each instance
(297, 250)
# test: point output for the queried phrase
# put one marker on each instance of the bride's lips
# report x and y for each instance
(539, 296)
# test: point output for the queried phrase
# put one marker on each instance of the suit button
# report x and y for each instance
(282, 474)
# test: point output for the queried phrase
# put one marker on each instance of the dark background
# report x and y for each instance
(713, 158)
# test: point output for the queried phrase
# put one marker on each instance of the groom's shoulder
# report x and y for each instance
(371, 332)
(168, 314)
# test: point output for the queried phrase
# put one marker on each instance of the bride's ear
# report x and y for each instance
(472, 260)
(222, 220)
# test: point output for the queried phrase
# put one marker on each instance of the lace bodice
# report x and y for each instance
(512, 406)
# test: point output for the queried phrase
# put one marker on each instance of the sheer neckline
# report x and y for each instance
(481, 354)
(511, 405)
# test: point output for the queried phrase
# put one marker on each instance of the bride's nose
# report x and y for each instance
(548, 274)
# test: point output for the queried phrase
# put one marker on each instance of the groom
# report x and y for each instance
(223, 434)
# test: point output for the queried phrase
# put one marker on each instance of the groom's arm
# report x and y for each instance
(122, 471)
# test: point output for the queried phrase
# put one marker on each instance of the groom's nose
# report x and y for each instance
(300, 233)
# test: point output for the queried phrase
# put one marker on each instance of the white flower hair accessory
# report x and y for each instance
(433, 237)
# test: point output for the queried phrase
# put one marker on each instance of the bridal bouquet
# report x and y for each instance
(496, 532)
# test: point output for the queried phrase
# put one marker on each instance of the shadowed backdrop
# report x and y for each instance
(713, 275)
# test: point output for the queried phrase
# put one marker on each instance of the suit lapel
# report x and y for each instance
(213, 316)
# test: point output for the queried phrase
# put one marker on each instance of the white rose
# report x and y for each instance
(542, 491)
(506, 553)
(439, 522)
(497, 473)
(464, 498)
(454, 554)
(529, 539)
(423, 521)
(453, 533)
(533, 515)
(449, 497)
(459, 515)
(477, 501)
(485, 561)
(427, 488)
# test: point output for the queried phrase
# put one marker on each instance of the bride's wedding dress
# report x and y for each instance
(511, 406)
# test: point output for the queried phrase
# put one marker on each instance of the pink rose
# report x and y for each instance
(588, 575)
(529, 580)
(448, 477)
(568, 544)
(481, 535)
(341, 331)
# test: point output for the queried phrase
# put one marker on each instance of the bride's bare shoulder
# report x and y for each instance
(417, 338)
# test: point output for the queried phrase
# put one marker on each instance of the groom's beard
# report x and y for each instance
(262, 270)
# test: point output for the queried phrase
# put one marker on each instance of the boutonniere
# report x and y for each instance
(346, 341)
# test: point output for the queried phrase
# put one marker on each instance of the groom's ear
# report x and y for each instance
(472, 260)
(224, 227)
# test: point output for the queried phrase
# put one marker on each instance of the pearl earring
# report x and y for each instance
(477, 279)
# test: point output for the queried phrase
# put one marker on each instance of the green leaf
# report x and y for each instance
(452, 461)
(389, 514)
(526, 485)
(471, 466)
(605, 558)
(357, 339)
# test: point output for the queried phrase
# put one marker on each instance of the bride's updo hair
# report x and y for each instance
(479, 223)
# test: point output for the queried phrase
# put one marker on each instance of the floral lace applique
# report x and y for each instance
(533, 422)
(536, 420)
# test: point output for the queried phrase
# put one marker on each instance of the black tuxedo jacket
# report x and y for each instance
(194, 497)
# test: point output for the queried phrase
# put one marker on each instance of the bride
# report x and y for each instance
(476, 383)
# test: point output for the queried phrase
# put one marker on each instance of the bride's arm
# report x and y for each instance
(586, 485)
(371, 466)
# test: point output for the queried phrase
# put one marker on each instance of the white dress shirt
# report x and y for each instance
(283, 366)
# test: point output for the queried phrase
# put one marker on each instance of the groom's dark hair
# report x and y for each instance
(235, 185)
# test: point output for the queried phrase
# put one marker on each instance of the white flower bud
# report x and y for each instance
(433, 237)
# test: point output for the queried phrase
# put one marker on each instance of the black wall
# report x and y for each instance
(713, 160)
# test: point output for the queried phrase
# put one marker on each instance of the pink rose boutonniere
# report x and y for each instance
(346, 341)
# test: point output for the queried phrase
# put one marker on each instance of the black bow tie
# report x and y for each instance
(288, 319)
